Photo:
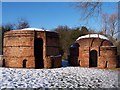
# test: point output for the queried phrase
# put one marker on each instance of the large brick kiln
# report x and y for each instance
(31, 48)
(93, 50)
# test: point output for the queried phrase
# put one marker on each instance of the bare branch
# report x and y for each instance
(89, 9)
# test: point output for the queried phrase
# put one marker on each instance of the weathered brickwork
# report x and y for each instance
(94, 52)
(53, 61)
(30, 49)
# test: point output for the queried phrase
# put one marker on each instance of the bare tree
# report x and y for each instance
(104, 23)
(22, 23)
(109, 24)
(109, 21)
(89, 9)
(7, 27)
(113, 24)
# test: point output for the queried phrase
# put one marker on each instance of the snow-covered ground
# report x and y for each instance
(65, 77)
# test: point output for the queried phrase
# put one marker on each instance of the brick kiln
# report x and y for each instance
(93, 50)
(31, 48)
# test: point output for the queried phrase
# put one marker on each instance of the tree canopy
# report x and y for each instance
(68, 36)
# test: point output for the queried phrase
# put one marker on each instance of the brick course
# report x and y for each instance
(106, 53)
(19, 45)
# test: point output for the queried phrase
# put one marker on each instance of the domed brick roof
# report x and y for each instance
(92, 36)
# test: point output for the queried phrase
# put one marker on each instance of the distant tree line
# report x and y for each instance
(68, 36)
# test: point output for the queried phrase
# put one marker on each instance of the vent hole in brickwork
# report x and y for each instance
(93, 58)
(106, 64)
(38, 52)
(24, 63)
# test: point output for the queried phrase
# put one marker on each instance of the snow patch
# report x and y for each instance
(92, 36)
(34, 29)
(66, 77)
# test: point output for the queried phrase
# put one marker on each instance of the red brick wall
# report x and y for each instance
(105, 52)
(108, 54)
(19, 46)
(52, 43)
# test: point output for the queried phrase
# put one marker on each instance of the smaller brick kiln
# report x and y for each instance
(93, 50)
(31, 48)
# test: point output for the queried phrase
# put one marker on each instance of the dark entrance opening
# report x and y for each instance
(3, 65)
(93, 58)
(38, 52)
(24, 63)
(74, 53)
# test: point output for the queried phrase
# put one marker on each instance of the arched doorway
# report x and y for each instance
(38, 52)
(24, 63)
(93, 58)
